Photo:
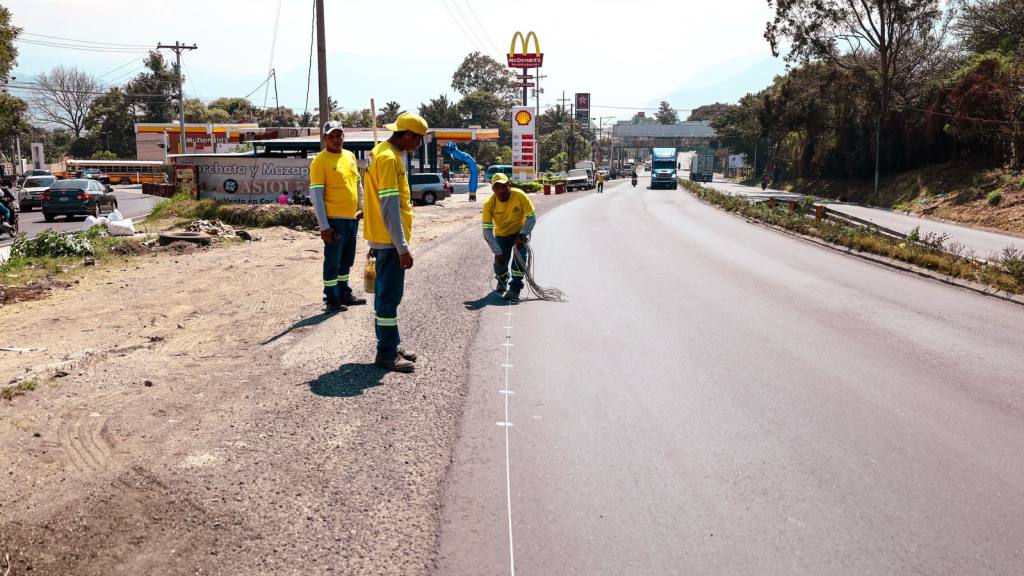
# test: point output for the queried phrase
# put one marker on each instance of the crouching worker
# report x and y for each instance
(508, 220)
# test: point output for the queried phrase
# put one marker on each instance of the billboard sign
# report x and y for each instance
(524, 143)
(737, 161)
(524, 58)
(247, 180)
(583, 109)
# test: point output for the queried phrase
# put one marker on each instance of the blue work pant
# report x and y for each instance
(507, 245)
(338, 259)
(5, 214)
(387, 296)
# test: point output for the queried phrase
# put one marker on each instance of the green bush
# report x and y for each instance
(53, 244)
(528, 186)
(267, 215)
(1013, 262)
(995, 197)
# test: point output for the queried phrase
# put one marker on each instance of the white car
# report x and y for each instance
(30, 194)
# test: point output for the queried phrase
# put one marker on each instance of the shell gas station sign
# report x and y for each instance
(524, 143)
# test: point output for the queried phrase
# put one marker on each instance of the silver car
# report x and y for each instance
(31, 191)
(428, 188)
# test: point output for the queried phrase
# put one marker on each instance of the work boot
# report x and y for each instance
(333, 306)
(407, 354)
(395, 363)
(501, 287)
(512, 295)
(350, 300)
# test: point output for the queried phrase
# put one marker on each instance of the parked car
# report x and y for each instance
(428, 188)
(579, 179)
(31, 191)
(81, 196)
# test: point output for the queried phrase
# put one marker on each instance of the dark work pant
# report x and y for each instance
(387, 296)
(507, 244)
(338, 258)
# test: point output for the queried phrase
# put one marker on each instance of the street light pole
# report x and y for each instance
(321, 63)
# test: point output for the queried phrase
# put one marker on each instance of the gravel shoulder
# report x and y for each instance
(197, 413)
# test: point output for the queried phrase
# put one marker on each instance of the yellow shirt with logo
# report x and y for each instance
(385, 178)
(508, 217)
(338, 175)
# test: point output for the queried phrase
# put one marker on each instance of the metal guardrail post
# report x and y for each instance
(819, 213)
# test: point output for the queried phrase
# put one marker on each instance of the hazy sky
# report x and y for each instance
(626, 54)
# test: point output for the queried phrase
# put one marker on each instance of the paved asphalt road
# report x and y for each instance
(720, 398)
(985, 244)
(131, 202)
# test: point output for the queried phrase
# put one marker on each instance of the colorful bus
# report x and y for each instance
(120, 171)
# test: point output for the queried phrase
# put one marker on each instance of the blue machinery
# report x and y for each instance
(461, 156)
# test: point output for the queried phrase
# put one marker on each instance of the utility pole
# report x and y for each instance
(178, 47)
(878, 131)
(277, 103)
(321, 63)
(561, 105)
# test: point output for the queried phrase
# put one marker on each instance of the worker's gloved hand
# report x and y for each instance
(521, 239)
(499, 260)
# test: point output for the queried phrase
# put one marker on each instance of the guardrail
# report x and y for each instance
(822, 212)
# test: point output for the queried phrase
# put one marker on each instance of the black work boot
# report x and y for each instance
(350, 300)
(395, 363)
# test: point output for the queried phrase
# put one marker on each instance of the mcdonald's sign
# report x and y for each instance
(524, 58)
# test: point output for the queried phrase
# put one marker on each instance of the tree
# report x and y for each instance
(104, 155)
(709, 112)
(559, 141)
(8, 51)
(307, 119)
(389, 113)
(237, 109)
(356, 119)
(552, 119)
(63, 97)
(154, 91)
(196, 111)
(481, 72)
(482, 108)
(666, 114)
(887, 38)
(991, 25)
(441, 112)
(111, 119)
(278, 117)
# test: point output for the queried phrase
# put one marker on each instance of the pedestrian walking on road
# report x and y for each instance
(336, 194)
(388, 230)
(764, 182)
(600, 182)
(508, 220)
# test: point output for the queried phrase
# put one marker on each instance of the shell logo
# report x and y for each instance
(523, 118)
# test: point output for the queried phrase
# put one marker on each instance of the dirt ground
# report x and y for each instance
(198, 413)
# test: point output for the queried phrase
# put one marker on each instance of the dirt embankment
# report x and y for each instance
(197, 413)
(967, 193)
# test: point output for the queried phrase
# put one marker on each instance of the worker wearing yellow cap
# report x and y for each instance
(387, 227)
(508, 220)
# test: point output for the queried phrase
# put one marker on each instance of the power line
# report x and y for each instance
(79, 48)
(309, 71)
(273, 48)
(461, 28)
(87, 41)
(468, 24)
(475, 17)
(136, 59)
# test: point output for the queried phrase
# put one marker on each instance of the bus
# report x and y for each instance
(120, 171)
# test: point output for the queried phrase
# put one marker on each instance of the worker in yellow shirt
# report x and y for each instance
(335, 191)
(600, 182)
(388, 230)
(508, 221)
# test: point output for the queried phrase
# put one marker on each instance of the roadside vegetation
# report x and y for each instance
(933, 252)
(180, 207)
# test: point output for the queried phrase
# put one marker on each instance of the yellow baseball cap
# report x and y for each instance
(499, 178)
(408, 121)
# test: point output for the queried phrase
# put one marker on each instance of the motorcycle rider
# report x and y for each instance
(7, 207)
(634, 178)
